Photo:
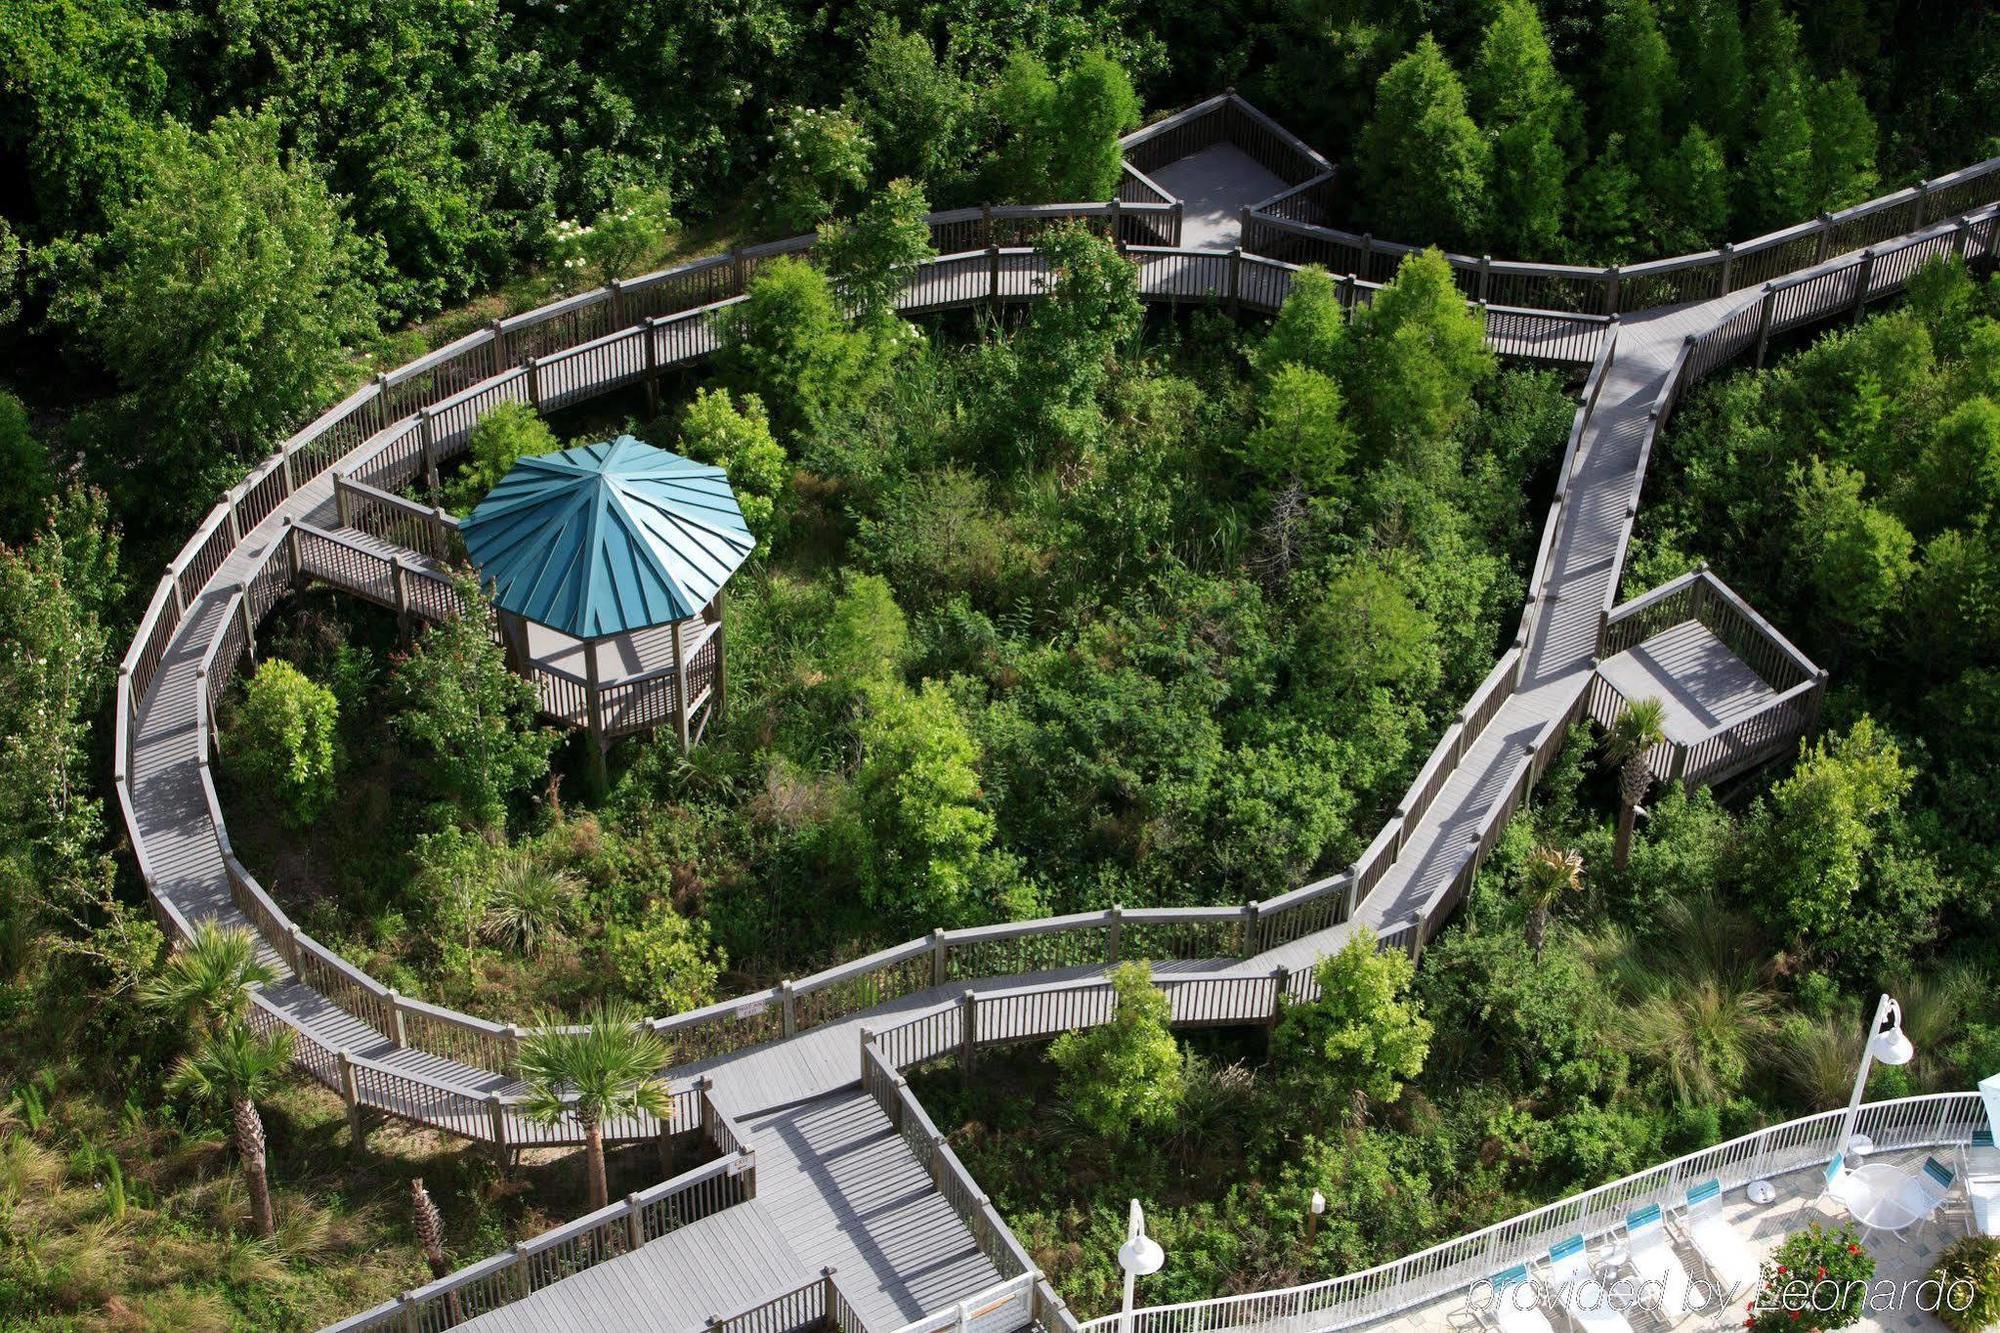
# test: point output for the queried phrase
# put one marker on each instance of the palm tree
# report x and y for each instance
(605, 1068)
(1638, 729)
(235, 1068)
(208, 980)
(533, 904)
(1551, 872)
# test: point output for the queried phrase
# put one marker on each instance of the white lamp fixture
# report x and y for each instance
(1887, 1043)
(1313, 1212)
(1140, 1256)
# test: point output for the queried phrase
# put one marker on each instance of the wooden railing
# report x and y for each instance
(1798, 685)
(1610, 289)
(611, 1231)
(1225, 119)
(1937, 1120)
(403, 423)
(1176, 934)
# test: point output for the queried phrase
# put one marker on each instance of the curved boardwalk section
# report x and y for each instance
(797, 1086)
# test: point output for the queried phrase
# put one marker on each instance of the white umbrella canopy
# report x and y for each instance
(1989, 1092)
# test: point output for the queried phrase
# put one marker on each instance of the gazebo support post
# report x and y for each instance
(716, 696)
(599, 771)
(680, 684)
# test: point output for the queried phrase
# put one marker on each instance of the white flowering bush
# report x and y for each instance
(819, 157)
(638, 222)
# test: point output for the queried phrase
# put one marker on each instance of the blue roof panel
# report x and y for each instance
(607, 538)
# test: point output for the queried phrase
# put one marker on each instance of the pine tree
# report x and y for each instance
(1424, 163)
(1843, 145)
(1522, 101)
(1777, 178)
(1639, 80)
(1697, 182)
(1718, 78)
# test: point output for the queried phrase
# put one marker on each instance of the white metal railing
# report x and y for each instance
(1940, 1119)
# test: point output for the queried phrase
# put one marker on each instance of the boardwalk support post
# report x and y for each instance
(635, 1226)
(1764, 323)
(1861, 281)
(350, 1095)
(1611, 276)
(342, 505)
(534, 383)
(1825, 236)
(499, 347)
(940, 955)
(398, 1033)
(427, 431)
(496, 1120)
(1235, 278)
(1728, 269)
(249, 617)
(789, 1008)
(968, 1031)
(992, 274)
(1114, 929)
(1416, 937)
(647, 329)
(1248, 947)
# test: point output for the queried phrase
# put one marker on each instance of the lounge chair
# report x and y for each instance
(1669, 1289)
(1588, 1304)
(1928, 1189)
(1517, 1307)
(1731, 1265)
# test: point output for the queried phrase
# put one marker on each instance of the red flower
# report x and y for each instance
(1854, 1249)
(1822, 1270)
(1795, 1314)
(1782, 1268)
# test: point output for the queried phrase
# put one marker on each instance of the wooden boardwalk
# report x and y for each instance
(670, 1285)
(838, 1184)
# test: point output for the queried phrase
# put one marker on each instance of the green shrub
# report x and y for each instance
(285, 744)
(1973, 1261)
(503, 437)
(736, 437)
(1126, 1074)
(666, 961)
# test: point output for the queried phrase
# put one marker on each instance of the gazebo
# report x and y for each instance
(605, 566)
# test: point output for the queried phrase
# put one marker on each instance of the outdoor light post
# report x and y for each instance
(1317, 1207)
(1140, 1256)
(1891, 1047)
(1886, 1043)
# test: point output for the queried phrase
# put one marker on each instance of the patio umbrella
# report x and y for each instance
(1989, 1092)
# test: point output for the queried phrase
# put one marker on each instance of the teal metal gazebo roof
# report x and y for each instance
(607, 538)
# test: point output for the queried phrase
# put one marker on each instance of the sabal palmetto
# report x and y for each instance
(235, 1069)
(1640, 727)
(1696, 992)
(207, 981)
(1551, 872)
(533, 903)
(606, 1068)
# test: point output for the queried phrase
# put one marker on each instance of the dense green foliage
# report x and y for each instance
(1125, 1075)
(285, 742)
(470, 719)
(1046, 614)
